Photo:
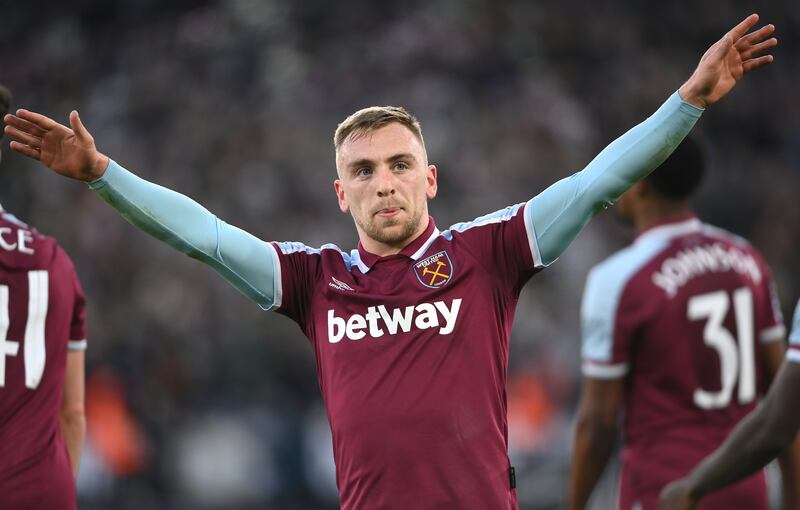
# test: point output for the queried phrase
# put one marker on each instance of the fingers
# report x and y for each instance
(77, 126)
(746, 24)
(759, 48)
(758, 35)
(23, 137)
(43, 122)
(755, 63)
(27, 150)
(24, 125)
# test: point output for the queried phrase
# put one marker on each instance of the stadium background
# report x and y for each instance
(196, 399)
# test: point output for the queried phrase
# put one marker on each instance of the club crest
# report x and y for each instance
(434, 271)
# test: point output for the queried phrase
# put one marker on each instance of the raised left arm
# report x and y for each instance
(560, 212)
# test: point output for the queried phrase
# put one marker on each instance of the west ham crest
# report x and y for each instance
(434, 271)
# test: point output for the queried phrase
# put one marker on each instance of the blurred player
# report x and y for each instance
(42, 343)
(758, 439)
(410, 330)
(682, 331)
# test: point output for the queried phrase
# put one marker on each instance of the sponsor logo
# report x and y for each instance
(379, 320)
(434, 271)
(339, 285)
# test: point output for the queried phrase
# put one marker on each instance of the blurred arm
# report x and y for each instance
(73, 416)
(561, 211)
(595, 434)
(247, 262)
(758, 439)
(789, 459)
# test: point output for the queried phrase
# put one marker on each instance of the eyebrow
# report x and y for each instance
(390, 159)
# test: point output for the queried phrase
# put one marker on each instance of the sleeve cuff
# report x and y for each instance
(108, 176)
(603, 370)
(773, 334)
(77, 345)
(686, 106)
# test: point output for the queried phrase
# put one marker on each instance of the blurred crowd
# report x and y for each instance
(196, 398)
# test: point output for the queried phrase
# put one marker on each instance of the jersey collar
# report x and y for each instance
(414, 250)
(674, 227)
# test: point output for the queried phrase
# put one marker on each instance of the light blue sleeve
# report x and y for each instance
(561, 211)
(249, 263)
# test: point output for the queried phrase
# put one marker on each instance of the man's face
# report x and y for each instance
(385, 182)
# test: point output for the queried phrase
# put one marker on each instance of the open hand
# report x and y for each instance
(69, 152)
(727, 61)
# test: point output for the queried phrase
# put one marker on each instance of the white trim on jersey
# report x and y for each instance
(604, 287)
(530, 229)
(773, 334)
(600, 371)
(793, 355)
(671, 230)
(419, 253)
(355, 258)
(794, 336)
(77, 345)
(277, 283)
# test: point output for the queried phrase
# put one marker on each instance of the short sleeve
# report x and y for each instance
(298, 274)
(505, 242)
(78, 328)
(606, 328)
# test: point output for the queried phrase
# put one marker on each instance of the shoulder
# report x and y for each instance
(492, 219)
(327, 253)
(620, 268)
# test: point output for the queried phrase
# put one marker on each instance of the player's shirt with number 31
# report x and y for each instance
(41, 317)
(681, 314)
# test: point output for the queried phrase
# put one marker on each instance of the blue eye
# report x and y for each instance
(364, 172)
(400, 166)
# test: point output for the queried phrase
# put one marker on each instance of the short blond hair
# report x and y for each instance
(375, 117)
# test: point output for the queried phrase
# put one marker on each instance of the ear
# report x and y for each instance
(340, 197)
(430, 178)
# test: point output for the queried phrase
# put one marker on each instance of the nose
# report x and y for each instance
(385, 183)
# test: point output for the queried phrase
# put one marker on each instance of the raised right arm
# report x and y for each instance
(249, 263)
(246, 261)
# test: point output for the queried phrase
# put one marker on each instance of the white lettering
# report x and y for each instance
(427, 318)
(5, 244)
(24, 236)
(336, 327)
(398, 318)
(354, 326)
(372, 318)
(24, 240)
(379, 320)
(677, 270)
(449, 315)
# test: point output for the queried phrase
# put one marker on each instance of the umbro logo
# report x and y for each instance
(339, 285)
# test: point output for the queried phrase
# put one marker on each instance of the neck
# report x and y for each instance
(385, 249)
(656, 213)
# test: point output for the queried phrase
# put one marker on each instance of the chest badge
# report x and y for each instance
(434, 271)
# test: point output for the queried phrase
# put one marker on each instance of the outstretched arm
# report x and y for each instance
(249, 263)
(758, 439)
(560, 212)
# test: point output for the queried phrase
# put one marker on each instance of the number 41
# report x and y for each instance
(34, 330)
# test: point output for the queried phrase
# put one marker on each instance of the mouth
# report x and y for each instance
(388, 212)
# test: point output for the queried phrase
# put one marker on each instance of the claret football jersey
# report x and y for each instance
(681, 315)
(411, 352)
(41, 317)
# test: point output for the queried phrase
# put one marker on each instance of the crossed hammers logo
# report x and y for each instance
(434, 273)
